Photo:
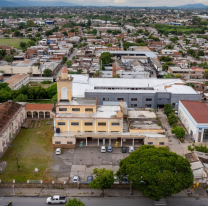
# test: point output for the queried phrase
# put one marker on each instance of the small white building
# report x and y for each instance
(194, 116)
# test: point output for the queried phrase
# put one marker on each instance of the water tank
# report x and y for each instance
(57, 130)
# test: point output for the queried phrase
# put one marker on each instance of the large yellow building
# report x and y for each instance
(81, 119)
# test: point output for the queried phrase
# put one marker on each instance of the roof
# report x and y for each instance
(7, 111)
(15, 79)
(39, 107)
(64, 70)
(198, 110)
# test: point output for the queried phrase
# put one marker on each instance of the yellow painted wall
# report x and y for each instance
(68, 85)
(147, 130)
(156, 140)
(63, 128)
(82, 108)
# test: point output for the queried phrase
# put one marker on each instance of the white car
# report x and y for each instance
(116, 180)
(103, 149)
(58, 151)
(75, 179)
(131, 149)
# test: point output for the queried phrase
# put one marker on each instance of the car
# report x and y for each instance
(89, 179)
(116, 180)
(124, 149)
(109, 149)
(57, 199)
(176, 112)
(125, 180)
(75, 179)
(58, 151)
(131, 149)
(103, 149)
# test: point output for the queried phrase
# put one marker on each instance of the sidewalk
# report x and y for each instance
(73, 192)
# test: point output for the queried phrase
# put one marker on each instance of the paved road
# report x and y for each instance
(142, 201)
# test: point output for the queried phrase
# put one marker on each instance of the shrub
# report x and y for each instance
(46, 82)
(159, 123)
(190, 148)
(201, 148)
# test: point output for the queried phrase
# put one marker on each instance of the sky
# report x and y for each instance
(128, 2)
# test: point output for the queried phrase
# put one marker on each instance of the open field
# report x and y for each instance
(34, 150)
(13, 41)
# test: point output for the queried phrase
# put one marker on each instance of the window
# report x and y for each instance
(69, 142)
(88, 110)
(173, 104)
(119, 99)
(133, 99)
(75, 123)
(75, 109)
(88, 131)
(115, 123)
(88, 124)
(105, 99)
(62, 109)
(114, 131)
(101, 124)
(58, 142)
(148, 105)
(133, 105)
(161, 143)
(149, 142)
(61, 123)
(148, 100)
(101, 131)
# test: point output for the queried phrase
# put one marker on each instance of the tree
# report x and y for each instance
(201, 53)
(48, 73)
(168, 76)
(4, 95)
(106, 57)
(74, 202)
(64, 59)
(31, 43)
(168, 109)
(98, 73)
(68, 63)
(38, 35)
(172, 119)
(21, 98)
(8, 58)
(104, 179)
(54, 99)
(17, 33)
(156, 172)
(165, 59)
(88, 23)
(49, 32)
(23, 44)
(177, 76)
(2, 53)
(52, 90)
(178, 131)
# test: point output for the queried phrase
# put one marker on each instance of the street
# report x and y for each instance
(109, 201)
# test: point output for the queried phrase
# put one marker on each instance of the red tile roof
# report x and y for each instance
(7, 112)
(39, 107)
(64, 70)
(198, 110)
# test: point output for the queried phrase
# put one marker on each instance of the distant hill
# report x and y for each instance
(193, 6)
(20, 3)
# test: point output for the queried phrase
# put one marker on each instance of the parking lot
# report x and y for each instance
(82, 161)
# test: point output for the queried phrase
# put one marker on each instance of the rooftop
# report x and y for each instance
(13, 80)
(39, 107)
(198, 110)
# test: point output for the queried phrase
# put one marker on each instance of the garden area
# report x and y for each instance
(32, 148)
(13, 41)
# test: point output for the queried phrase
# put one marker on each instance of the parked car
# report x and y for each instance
(58, 151)
(131, 149)
(75, 179)
(125, 180)
(103, 149)
(57, 199)
(109, 149)
(124, 149)
(116, 180)
(89, 179)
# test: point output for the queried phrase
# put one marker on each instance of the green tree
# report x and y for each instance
(23, 44)
(88, 23)
(98, 73)
(31, 43)
(2, 53)
(178, 131)
(48, 73)
(104, 179)
(21, 98)
(52, 90)
(38, 35)
(68, 63)
(165, 59)
(74, 202)
(172, 119)
(168, 109)
(54, 99)
(49, 32)
(178, 76)
(156, 172)
(201, 53)
(168, 76)
(8, 58)
(4, 95)
(106, 57)
(17, 33)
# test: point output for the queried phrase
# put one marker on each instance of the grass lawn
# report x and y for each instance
(34, 150)
(13, 41)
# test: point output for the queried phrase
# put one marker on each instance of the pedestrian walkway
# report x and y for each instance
(73, 192)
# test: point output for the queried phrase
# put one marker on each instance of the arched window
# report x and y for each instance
(63, 93)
